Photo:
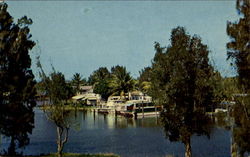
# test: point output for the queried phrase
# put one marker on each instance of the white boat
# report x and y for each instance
(115, 103)
(137, 108)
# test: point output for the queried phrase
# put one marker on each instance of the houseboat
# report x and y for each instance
(137, 109)
(134, 104)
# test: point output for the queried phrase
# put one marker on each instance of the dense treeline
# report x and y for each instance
(181, 79)
(239, 51)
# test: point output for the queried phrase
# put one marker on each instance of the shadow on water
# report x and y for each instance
(128, 137)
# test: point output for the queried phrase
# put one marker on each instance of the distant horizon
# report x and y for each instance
(81, 36)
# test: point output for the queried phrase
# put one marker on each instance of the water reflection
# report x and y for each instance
(91, 120)
(95, 133)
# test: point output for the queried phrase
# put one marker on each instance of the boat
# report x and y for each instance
(115, 104)
(135, 104)
(137, 109)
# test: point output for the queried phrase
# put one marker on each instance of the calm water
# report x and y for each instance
(126, 137)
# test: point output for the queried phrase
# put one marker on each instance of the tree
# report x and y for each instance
(100, 80)
(58, 89)
(219, 90)
(181, 82)
(59, 116)
(101, 73)
(17, 91)
(241, 129)
(102, 88)
(238, 49)
(145, 80)
(77, 81)
(121, 82)
(59, 92)
(230, 87)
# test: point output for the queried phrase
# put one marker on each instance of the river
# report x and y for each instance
(98, 133)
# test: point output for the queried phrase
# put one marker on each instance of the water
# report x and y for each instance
(126, 137)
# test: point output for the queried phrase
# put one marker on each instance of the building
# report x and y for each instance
(86, 96)
(85, 90)
(138, 95)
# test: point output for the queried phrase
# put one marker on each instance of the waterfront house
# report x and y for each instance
(85, 89)
(87, 96)
(138, 95)
(90, 99)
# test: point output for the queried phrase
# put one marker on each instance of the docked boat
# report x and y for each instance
(115, 103)
(134, 104)
(137, 108)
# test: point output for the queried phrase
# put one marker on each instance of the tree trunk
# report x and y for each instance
(60, 141)
(12, 147)
(188, 151)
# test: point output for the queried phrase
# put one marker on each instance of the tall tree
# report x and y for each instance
(239, 45)
(100, 80)
(17, 92)
(239, 51)
(181, 76)
(59, 92)
(77, 81)
(101, 73)
(58, 89)
(121, 82)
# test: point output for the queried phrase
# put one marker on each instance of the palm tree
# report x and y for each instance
(99, 75)
(121, 82)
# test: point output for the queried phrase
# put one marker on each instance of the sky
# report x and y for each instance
(81, 36)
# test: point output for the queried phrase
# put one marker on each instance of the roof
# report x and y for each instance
(77, 97)
(89, 96)
(86, 87)
(92, 98)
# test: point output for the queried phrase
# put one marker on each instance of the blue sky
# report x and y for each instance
(81, 36)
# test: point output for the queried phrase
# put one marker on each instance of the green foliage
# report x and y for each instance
(116, 82)
(145, 80)
(59, 92)
(100, 74)
(77, 81)
(241, 130)
(57, 88)
(230, 87)
(102, 88)
(100, 79)
(239, 51)
(17, 85)
(223, 88)
(181, 82)
(121, 82)
(239, 47)
(54, 86)
(58, 114)
(218, 88)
